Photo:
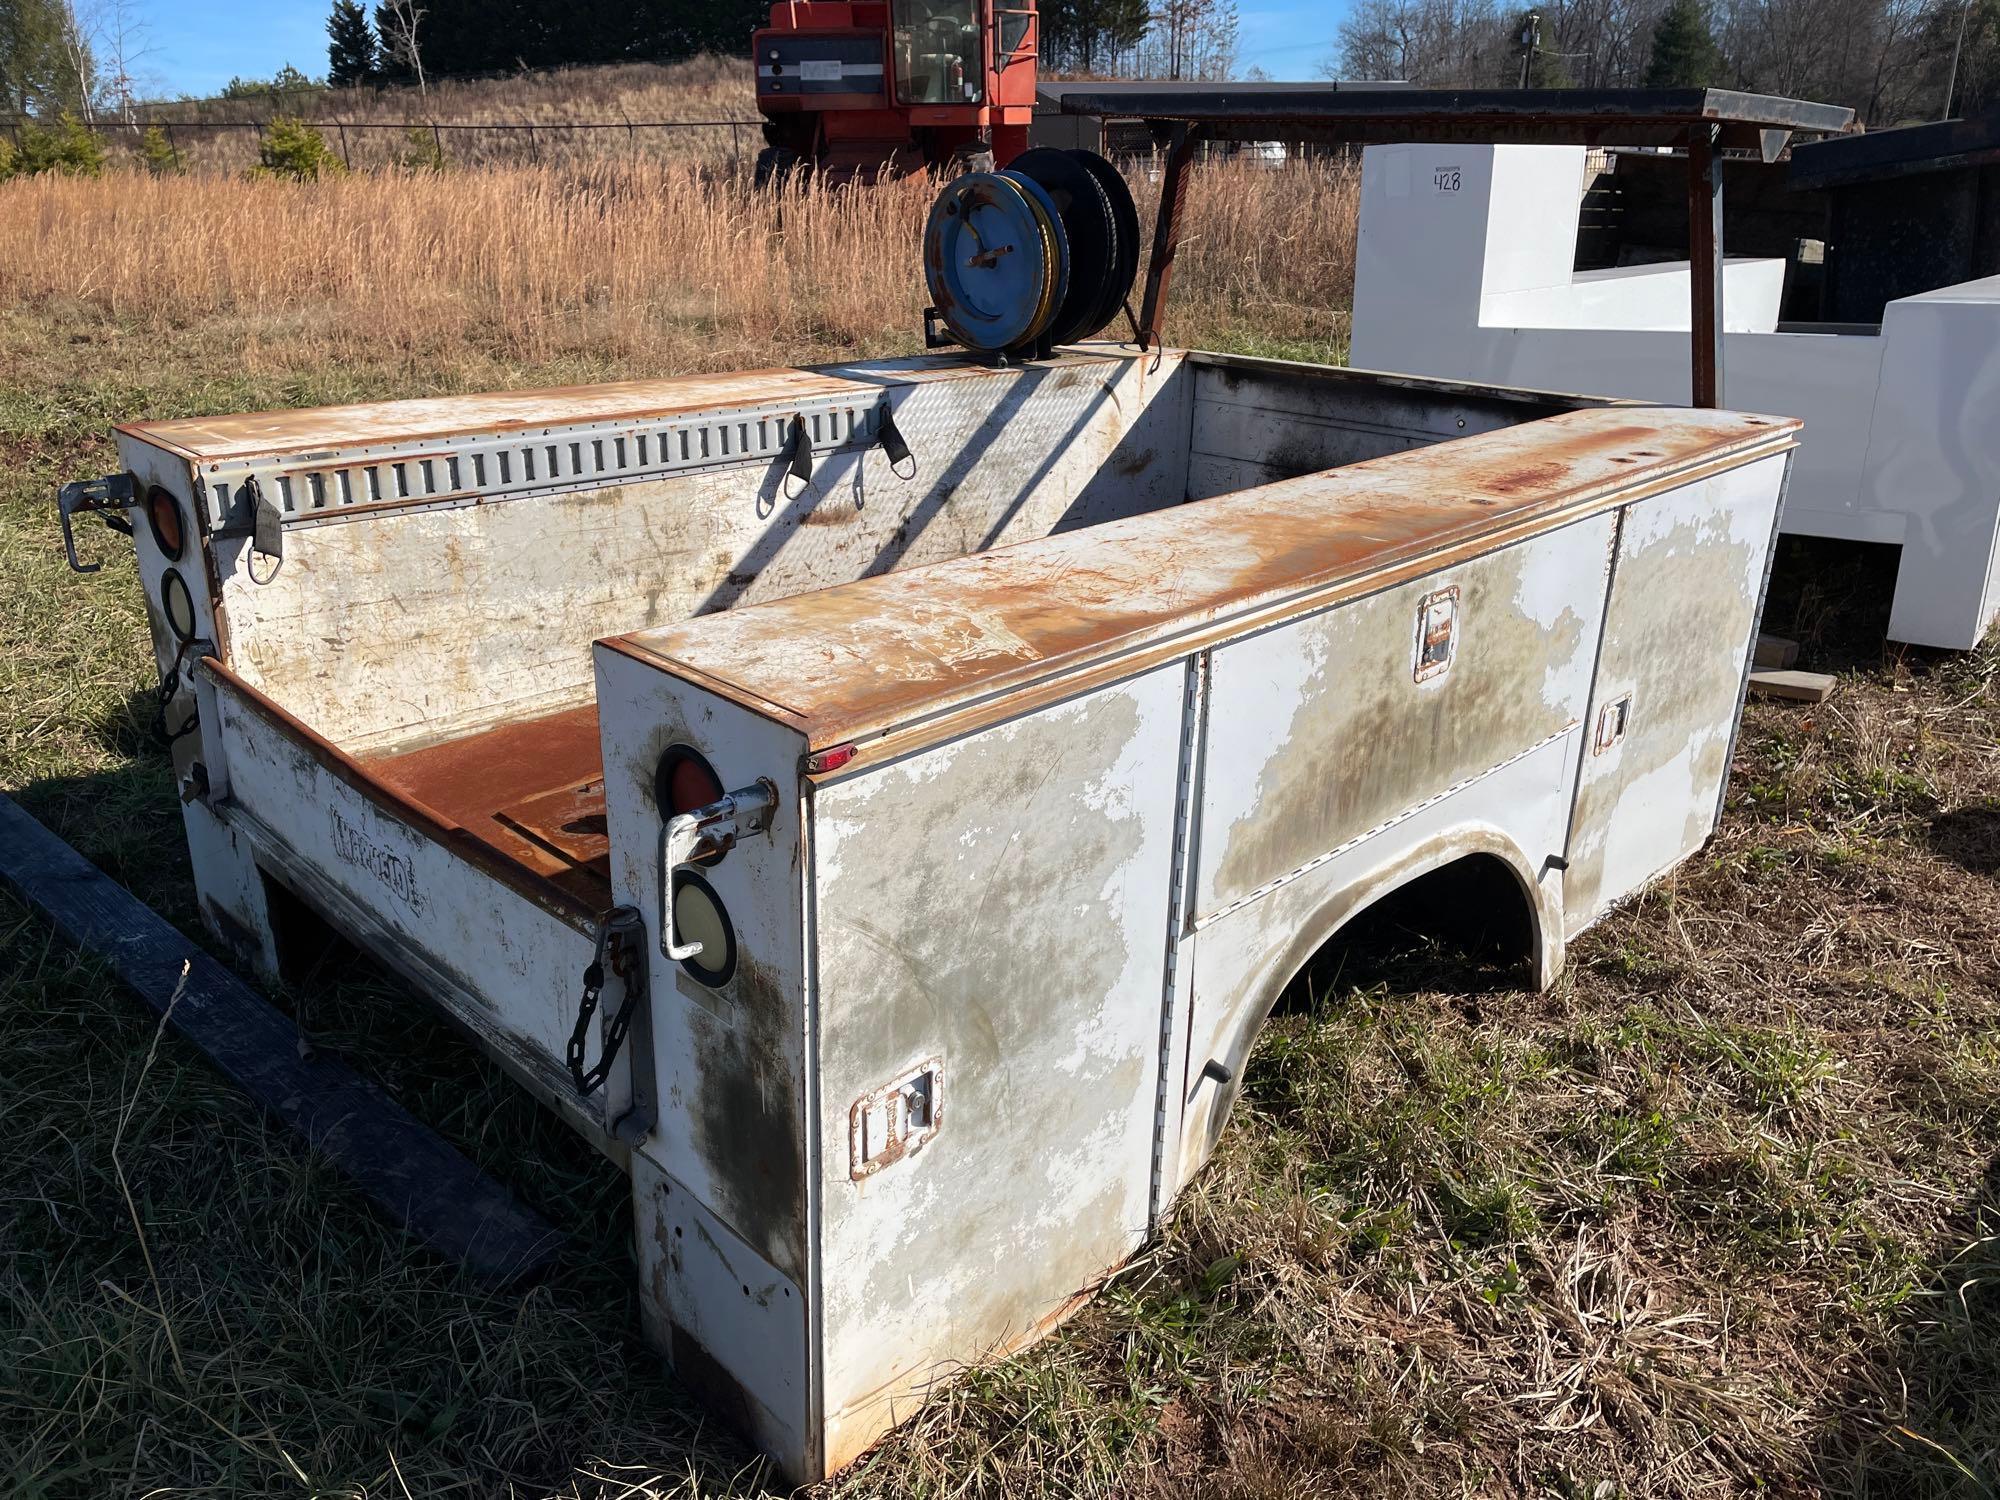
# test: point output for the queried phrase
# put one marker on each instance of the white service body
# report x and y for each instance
(1058, 749)
(1464, 270)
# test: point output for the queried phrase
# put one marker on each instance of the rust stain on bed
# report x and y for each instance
(372, 423)
(533, 790)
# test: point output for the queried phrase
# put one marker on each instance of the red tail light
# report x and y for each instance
(831, 759)
(164, 517)
(684, 781)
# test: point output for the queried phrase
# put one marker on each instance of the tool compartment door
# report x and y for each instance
(1686, 591)
(990, 948)
(1349, 751)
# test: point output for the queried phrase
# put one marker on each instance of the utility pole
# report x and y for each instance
(1531, 39)
(1951, 79)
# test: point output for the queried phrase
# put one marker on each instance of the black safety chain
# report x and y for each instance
(621, 937)
(170, 687)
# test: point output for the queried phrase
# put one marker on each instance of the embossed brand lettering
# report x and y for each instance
(393, 870)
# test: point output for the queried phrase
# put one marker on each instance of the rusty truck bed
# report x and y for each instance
(531, 791)
(1041, 615)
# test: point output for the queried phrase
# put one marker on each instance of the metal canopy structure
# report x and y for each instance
(1702, 122)
(1909, 150)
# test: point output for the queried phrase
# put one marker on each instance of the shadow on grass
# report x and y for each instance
(1922, 1418)
(1969, 837)
(124, 819)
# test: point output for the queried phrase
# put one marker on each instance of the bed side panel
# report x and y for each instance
(507, 969)
(1326, 728)
(1252, 425)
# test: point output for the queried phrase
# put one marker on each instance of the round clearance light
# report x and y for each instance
(684, 781)
(700, 917)
(178, 604)
(163, 515)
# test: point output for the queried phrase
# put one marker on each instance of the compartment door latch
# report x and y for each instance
(713, 829)
(1437, 633)
(896, 1120)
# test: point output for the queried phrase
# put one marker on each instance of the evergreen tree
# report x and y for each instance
(691, 26)
(350, 51)
(1088, 35)
(461, 37)
(36, 72)
(1684, 50)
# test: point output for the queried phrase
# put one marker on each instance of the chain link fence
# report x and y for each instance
(233, 145)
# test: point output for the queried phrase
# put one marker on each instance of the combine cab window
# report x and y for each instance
(938, 53)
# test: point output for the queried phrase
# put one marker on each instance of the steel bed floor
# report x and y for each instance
(532, 791)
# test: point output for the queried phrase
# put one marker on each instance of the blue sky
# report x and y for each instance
(199, 45)
(1287, 38)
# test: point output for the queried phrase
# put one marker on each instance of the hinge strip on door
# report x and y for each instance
(1194, 699)
(1612, 548)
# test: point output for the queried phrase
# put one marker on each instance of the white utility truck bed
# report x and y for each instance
(968, 757)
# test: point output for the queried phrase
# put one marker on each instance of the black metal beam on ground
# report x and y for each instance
(417, 1179)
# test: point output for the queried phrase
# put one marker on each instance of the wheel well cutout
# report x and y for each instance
(1467, 925)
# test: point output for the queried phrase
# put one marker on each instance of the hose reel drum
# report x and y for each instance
(1041, 254)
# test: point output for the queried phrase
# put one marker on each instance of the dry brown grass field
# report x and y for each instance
(1716, 1215)
(701, 88)
(613, 265)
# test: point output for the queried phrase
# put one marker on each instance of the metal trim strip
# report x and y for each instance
(425, 476)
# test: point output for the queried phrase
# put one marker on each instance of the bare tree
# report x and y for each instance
(1436, 42)
(1888, 59)
(1874, 55)
(77, 34)
(398, 21)
(1189, 39)
(126, 43)
(1604, 43)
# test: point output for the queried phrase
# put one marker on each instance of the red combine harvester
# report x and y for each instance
(860, 88)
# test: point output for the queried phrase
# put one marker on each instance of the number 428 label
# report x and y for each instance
(1445, 179)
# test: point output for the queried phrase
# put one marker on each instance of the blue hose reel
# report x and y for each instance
(1041, 254)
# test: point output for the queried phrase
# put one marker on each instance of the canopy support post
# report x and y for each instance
(1705, 264)
(1166, 234)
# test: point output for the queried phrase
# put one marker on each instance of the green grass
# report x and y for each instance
(1715, 1214)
